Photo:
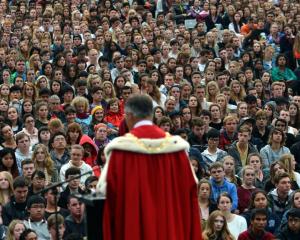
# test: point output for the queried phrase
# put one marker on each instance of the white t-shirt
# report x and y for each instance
(297, 177)
(237, 226)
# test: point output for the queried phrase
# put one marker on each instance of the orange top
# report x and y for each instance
(245, 29)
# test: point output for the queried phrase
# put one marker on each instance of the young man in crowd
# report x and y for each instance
(240, 149)
(257, 227)
(75, 222)
(228, 134)
(23, 149)
(36, 220)
(292, 229)
(72, 187)
(280, 197)
(59, 153)
(77, 153)
(27, 169)
(16, 208)
(197, 137)
(220, 184)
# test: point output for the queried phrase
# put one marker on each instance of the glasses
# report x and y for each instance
(30, 121)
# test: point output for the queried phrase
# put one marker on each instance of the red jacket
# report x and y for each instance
(114, 118)
(248, 235)
(90, 160)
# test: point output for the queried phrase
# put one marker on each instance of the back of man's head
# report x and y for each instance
(140, 106)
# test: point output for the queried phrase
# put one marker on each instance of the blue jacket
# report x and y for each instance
(228, 187)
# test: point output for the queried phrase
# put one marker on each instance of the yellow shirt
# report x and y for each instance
(243, 154)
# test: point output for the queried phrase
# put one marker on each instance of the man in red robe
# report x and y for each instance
(151, 192)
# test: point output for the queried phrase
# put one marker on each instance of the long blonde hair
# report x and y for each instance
(240, 96)
(9, 178)
(49, 164)
(11, 228)
(286, 160)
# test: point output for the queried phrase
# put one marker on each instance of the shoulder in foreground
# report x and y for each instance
(131, 143)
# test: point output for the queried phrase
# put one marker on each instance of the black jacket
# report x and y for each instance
(73, 227)
(287, 234)
(13, 210)
(63, 199)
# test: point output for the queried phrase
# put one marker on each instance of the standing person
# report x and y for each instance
(153, 153)
(257, 227)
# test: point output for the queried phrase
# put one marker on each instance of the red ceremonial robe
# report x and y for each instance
(151, 196)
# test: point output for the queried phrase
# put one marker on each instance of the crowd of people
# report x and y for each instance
(223, 75)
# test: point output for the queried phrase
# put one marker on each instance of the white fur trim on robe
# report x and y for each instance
(131, 143)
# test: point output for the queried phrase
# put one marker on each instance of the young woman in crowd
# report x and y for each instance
(216, 120)
(247, 188)
(27, 107)
(205, 203)
(158, 113)
(237, 92)
(275, 168)
(114, 115)
(43, 162)
(15, 229)
(217, 227)
(9, 162)
(275, 148)
(242, 110)
(236, 224)
(289, 162)
(261, 174)
(14, 119)
(41, 115)
(229, 168)
(81, 105)
(195, 106)
(6, 187)
(73, 134)
(259, 199)
(29, 92)
(294, 115)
